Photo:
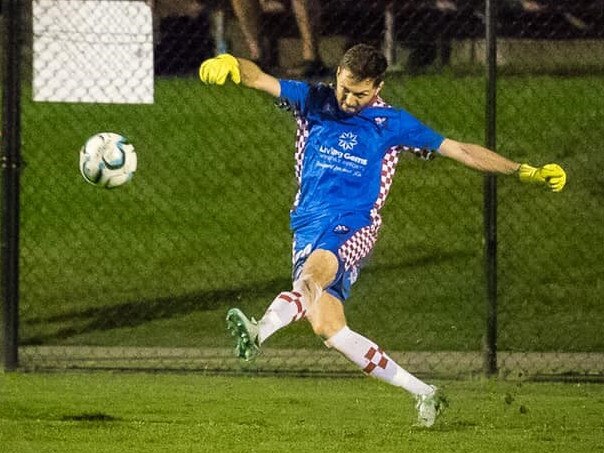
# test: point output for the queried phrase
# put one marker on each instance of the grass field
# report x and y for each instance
(204, 224)
(116, 412)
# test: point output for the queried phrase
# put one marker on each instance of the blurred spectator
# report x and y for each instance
(540, 18)
(429, 35)
(182, 35)
(432, 24)
(445, 5)
(307, 15)
(179, 8)
(529, 6)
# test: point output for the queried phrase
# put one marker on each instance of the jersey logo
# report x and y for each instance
(347, 141)
(327, 108)
(380, 120)
(342, 229)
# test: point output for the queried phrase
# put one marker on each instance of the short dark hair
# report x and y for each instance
(365, 62)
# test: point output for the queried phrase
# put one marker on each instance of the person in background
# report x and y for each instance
(307, 14)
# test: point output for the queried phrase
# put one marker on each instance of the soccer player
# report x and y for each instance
(347, 146)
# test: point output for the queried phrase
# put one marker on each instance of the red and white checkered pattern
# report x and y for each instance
(376, 358)
(300, 145)
(295, 299)
(388, 169)
(359, 245)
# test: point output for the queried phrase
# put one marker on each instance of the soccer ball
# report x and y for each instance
(107, 160)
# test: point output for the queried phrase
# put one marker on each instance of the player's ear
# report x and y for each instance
(379, 87)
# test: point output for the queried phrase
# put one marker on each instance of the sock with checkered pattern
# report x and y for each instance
(374, 362)
(287, 307)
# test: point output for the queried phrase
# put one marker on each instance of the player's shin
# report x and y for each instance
(375, 362)
(288, 307)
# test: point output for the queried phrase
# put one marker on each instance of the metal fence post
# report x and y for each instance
(389, 41)
(11, 164)
(490, 194)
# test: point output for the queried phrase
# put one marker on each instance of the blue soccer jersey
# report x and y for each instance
(345, 163)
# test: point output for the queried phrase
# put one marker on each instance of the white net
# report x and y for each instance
(93, 51)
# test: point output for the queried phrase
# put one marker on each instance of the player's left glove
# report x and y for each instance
(552, 175)
(216, 70)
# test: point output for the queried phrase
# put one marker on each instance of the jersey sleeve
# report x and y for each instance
(414, 133)
(295, 93)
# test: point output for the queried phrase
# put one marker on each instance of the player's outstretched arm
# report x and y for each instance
(217, 70)
(485, 160)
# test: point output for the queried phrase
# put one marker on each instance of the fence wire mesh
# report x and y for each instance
(142, 276)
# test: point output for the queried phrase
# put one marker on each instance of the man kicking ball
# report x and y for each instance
(347, 146)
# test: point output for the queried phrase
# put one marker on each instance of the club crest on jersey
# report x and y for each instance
(328, 108)
(347, 141)
(380, 120)
(342, 229)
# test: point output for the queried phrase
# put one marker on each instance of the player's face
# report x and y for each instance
(353, 95)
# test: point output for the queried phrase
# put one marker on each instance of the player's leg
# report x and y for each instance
(329, 322)
(318, 270)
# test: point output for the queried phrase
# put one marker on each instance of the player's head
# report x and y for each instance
(360, 77)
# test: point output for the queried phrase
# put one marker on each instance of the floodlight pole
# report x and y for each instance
(11, 167)
(490, 194)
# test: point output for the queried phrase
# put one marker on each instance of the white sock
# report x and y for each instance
(375, 362)
(287, 307)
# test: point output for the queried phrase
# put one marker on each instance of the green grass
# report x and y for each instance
(115, 412)
(204, 224)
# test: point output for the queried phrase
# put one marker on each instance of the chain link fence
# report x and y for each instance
(141, 276)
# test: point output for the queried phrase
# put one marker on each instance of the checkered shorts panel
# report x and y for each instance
(358, 246)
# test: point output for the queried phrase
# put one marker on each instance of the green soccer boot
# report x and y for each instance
(429, 407)
(246, 332)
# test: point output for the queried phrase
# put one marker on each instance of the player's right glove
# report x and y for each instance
(551, 175)
(216, 70)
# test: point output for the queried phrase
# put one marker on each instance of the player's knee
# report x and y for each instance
(310, 289)
(321, 267)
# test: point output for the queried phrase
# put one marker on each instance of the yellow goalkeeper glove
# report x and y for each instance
(551, 175)
(216, 70)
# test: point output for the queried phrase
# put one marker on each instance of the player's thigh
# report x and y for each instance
(321, 267)
(339, 246)
(327, 317)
